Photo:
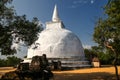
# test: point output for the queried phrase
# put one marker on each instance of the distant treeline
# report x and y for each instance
(106, 58)
(10, 61)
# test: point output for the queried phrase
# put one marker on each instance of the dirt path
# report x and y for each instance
(103, 73)
(110, 70)
(4, 70)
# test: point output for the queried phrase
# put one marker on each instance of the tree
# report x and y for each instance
(107, 30)
(12, 61)
(89, 54)
(99, 52)
(2, 62)
(15, 29)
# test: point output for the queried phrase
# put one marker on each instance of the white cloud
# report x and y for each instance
(77, 3)
(92, 1)
(73, 6)
(87, 46)
(21, 49)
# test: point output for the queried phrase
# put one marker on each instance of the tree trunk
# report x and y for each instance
(115, 65)
(116, 71)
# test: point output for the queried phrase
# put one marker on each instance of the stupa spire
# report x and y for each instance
(55, 16)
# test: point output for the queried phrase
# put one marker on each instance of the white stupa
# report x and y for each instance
(58, 43)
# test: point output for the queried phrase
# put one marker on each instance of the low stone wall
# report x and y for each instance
(72, 62)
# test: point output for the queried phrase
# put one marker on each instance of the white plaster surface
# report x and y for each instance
(57, 42)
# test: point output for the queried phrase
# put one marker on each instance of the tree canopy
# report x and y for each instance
(14, 28)
(107, 29)
(10, 61)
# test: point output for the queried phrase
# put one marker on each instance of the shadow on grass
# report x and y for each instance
(72, 76)
(85, 76)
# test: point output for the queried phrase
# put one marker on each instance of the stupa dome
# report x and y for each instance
(59, 44)
(56, 41)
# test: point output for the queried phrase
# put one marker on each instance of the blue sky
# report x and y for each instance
(79, 16)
